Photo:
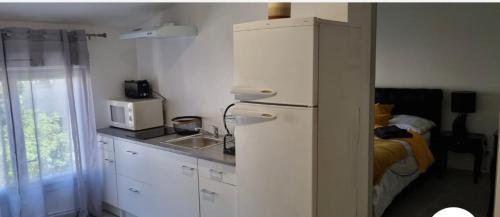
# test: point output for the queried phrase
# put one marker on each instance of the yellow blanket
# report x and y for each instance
(388, 152)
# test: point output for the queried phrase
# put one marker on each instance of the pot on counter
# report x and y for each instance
(187, 125)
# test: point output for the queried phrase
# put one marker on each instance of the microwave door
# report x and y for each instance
(117, 114)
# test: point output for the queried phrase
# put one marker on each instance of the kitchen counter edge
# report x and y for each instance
(214, 154)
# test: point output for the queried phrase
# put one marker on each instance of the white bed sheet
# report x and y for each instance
(395, 179)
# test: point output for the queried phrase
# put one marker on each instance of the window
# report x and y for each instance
(42, 112)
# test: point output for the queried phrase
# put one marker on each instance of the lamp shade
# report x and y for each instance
(463, 101)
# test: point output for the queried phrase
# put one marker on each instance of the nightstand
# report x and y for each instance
(474, 143)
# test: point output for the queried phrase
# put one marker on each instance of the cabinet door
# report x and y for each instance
(109, 169)
(275, 160)
(109, 173)
(132, 160)
(217, 199)
(276, 65)
(136, 197)
(175, 182)
(105, 143)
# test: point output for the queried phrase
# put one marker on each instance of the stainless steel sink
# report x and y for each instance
(195, 142)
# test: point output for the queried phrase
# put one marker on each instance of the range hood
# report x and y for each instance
(164, 31)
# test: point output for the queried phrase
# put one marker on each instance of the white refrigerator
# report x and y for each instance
(298, 86)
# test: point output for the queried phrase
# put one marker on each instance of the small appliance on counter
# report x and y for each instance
(135, 114)
(229, 145)
(187, 125)
(138, 89)
(229, 142)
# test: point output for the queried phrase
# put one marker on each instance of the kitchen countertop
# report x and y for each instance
(214, 153)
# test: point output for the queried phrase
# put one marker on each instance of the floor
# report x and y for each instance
(454, 189)
(424, 199)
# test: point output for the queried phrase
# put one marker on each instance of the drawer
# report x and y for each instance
(108, 156)
(217, 199)
(132, 160)
(135, 197)
(105, 143)
(109, 185)
(216, 171)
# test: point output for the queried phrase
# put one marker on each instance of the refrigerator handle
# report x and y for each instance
(253, 114)
(257, 92)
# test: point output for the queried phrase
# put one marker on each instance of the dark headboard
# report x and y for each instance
(426, 103)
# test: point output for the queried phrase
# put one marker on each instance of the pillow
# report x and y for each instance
(383, 108)
(413, 123)
(382, 119)
(383, 114)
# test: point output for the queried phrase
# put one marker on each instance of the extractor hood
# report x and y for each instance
(164, 31)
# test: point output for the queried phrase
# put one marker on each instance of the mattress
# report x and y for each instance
(394, 180)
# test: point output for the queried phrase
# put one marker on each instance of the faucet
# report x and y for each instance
(215, 131)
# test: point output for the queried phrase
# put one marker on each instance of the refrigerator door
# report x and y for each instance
(276, 149)
(276, 65)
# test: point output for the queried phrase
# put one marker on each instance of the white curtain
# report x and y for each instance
(49, 159)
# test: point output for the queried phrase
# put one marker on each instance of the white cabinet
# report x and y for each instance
(279, 53)
(136, 197)
(218, 172)
(267, 180)
(154, 182)
(148, 182)
(106, 143)
(132, 160)
(175, 181)
(109, 170)
(217, 189)
(217, 199)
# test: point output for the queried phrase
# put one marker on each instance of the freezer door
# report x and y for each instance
(275, 167)
(276, 65)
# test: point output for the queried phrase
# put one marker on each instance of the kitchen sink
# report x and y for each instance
(195, 142)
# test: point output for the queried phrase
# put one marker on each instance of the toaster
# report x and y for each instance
(137, 89)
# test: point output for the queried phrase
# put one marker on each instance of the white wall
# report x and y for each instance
(195, 74)
(448, 46)
(364, 16)
(111, 62)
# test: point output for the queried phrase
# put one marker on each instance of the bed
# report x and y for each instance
(425, 103)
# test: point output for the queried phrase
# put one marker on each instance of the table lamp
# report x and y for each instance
(462, 102)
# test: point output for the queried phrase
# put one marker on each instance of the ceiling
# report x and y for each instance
(119, 15)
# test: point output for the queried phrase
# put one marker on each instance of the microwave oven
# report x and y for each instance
(135, 114)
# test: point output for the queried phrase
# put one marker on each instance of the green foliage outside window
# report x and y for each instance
(47, 144)
(47, 141)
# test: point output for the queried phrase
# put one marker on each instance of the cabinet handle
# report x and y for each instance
(216, 171)
(187, 168)
(109, 160)
(102, 142)
(205, 191)
(134, 190)
(132, 152)
(241, 92)
(263, 115)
